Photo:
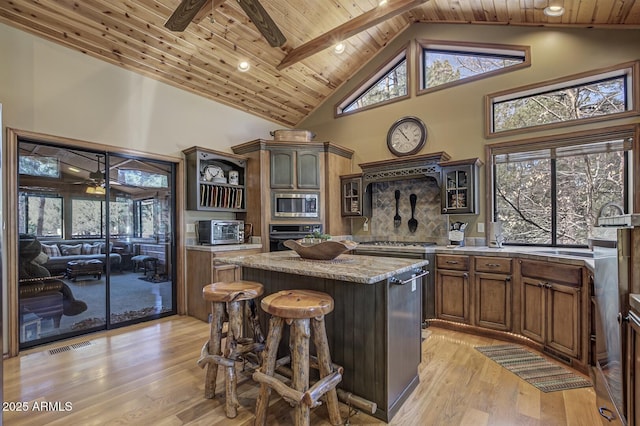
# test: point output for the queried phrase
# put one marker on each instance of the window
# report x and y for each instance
(88, 218)
(389, 84)
(142, 179)
(39, 166)
(587, 97)
(40, 215)
(445, 64)
(551, 192)
(145, 218)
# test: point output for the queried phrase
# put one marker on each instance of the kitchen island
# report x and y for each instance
(374, 330)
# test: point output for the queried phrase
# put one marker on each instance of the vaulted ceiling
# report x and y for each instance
(285, 83)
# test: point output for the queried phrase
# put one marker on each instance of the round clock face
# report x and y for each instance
(407, 136)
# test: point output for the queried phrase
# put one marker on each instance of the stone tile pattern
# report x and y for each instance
(432, 225)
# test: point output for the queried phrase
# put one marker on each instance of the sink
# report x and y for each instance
(567, 252)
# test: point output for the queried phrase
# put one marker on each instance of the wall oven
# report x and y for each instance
(287, 204)
(279, 233)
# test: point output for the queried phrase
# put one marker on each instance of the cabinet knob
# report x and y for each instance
(466, 275)
(507, 279)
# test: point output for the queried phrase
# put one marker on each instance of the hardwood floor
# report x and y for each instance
(147, 375)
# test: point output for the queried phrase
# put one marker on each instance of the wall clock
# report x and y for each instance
(407, 136)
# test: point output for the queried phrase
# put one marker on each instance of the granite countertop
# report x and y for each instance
(346, 267)
(571, 256)
(224, 247)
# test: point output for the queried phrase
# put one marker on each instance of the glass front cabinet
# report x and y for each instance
(351, 194)
(460, 186)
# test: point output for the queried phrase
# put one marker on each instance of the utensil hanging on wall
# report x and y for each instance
(397, 219)
(413, 223)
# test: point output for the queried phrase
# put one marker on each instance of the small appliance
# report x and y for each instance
(214, 232)
(295, 204)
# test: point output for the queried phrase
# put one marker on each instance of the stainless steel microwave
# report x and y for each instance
(295, 204)
(213, 232)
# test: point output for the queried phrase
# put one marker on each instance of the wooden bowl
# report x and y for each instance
(326, 250)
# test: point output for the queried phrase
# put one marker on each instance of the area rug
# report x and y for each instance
(541, 373)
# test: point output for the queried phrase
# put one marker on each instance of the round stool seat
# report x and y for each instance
(297, 304)
(234, 291)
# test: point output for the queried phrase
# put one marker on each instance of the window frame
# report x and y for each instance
(632, 178)
(467, 48)
(629, 69)
(361, 88)
(60, 198)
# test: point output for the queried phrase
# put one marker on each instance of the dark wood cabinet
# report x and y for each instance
(493, 292)
(452, 288)
(633, 369)
(460, 181)
(215, 180)
(351, 195)
(295, 169)
(551, 305)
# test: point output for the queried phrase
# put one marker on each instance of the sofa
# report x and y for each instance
(60, 252)
(41, 295)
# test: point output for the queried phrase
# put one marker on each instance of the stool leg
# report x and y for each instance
(299, 345)
(324, 361)
(215, 343)
(234, 309)
(268, 367)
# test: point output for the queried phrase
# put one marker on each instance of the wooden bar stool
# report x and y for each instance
(298, 308)
(233, 295)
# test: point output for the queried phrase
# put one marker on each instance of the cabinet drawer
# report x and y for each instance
(493, 264)
(452, 261)
(549, 271)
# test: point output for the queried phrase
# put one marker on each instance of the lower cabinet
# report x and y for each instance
(550, 305)
(452, 288)
(633, 370)
(492, 293)
(204, 269)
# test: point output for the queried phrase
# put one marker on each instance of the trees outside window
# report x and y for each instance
(553, 196)
(594, 96)
(445, 64)
(40, 215)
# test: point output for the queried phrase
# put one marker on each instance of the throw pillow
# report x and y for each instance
(51, 250)
(91, 248)
(69, 250)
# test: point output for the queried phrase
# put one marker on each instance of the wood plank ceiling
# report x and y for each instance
(203, 59)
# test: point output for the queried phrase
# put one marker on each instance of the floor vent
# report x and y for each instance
(67, 348)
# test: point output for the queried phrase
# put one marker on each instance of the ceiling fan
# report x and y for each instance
(188, 9)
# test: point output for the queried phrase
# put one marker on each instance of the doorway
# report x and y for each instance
(97, 246)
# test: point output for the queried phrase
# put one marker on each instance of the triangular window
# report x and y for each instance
(444, 64)
(388, 84)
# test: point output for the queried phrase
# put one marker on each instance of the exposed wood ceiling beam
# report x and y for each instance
(348, 29)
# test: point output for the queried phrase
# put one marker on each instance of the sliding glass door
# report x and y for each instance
(96, 247)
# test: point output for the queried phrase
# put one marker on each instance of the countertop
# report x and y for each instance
(224, 247)
(346, 267)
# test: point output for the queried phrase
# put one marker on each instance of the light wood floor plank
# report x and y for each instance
(147, 375)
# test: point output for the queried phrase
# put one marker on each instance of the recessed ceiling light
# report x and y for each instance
(554, 11)
(339, 48)
(244, 66)
(382, 2)
(73, 169)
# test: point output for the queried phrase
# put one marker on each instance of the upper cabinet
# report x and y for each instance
(460, 186)
(351, 195)
(215, 180)
(295, 169)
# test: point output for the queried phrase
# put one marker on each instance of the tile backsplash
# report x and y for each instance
(432, 226)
